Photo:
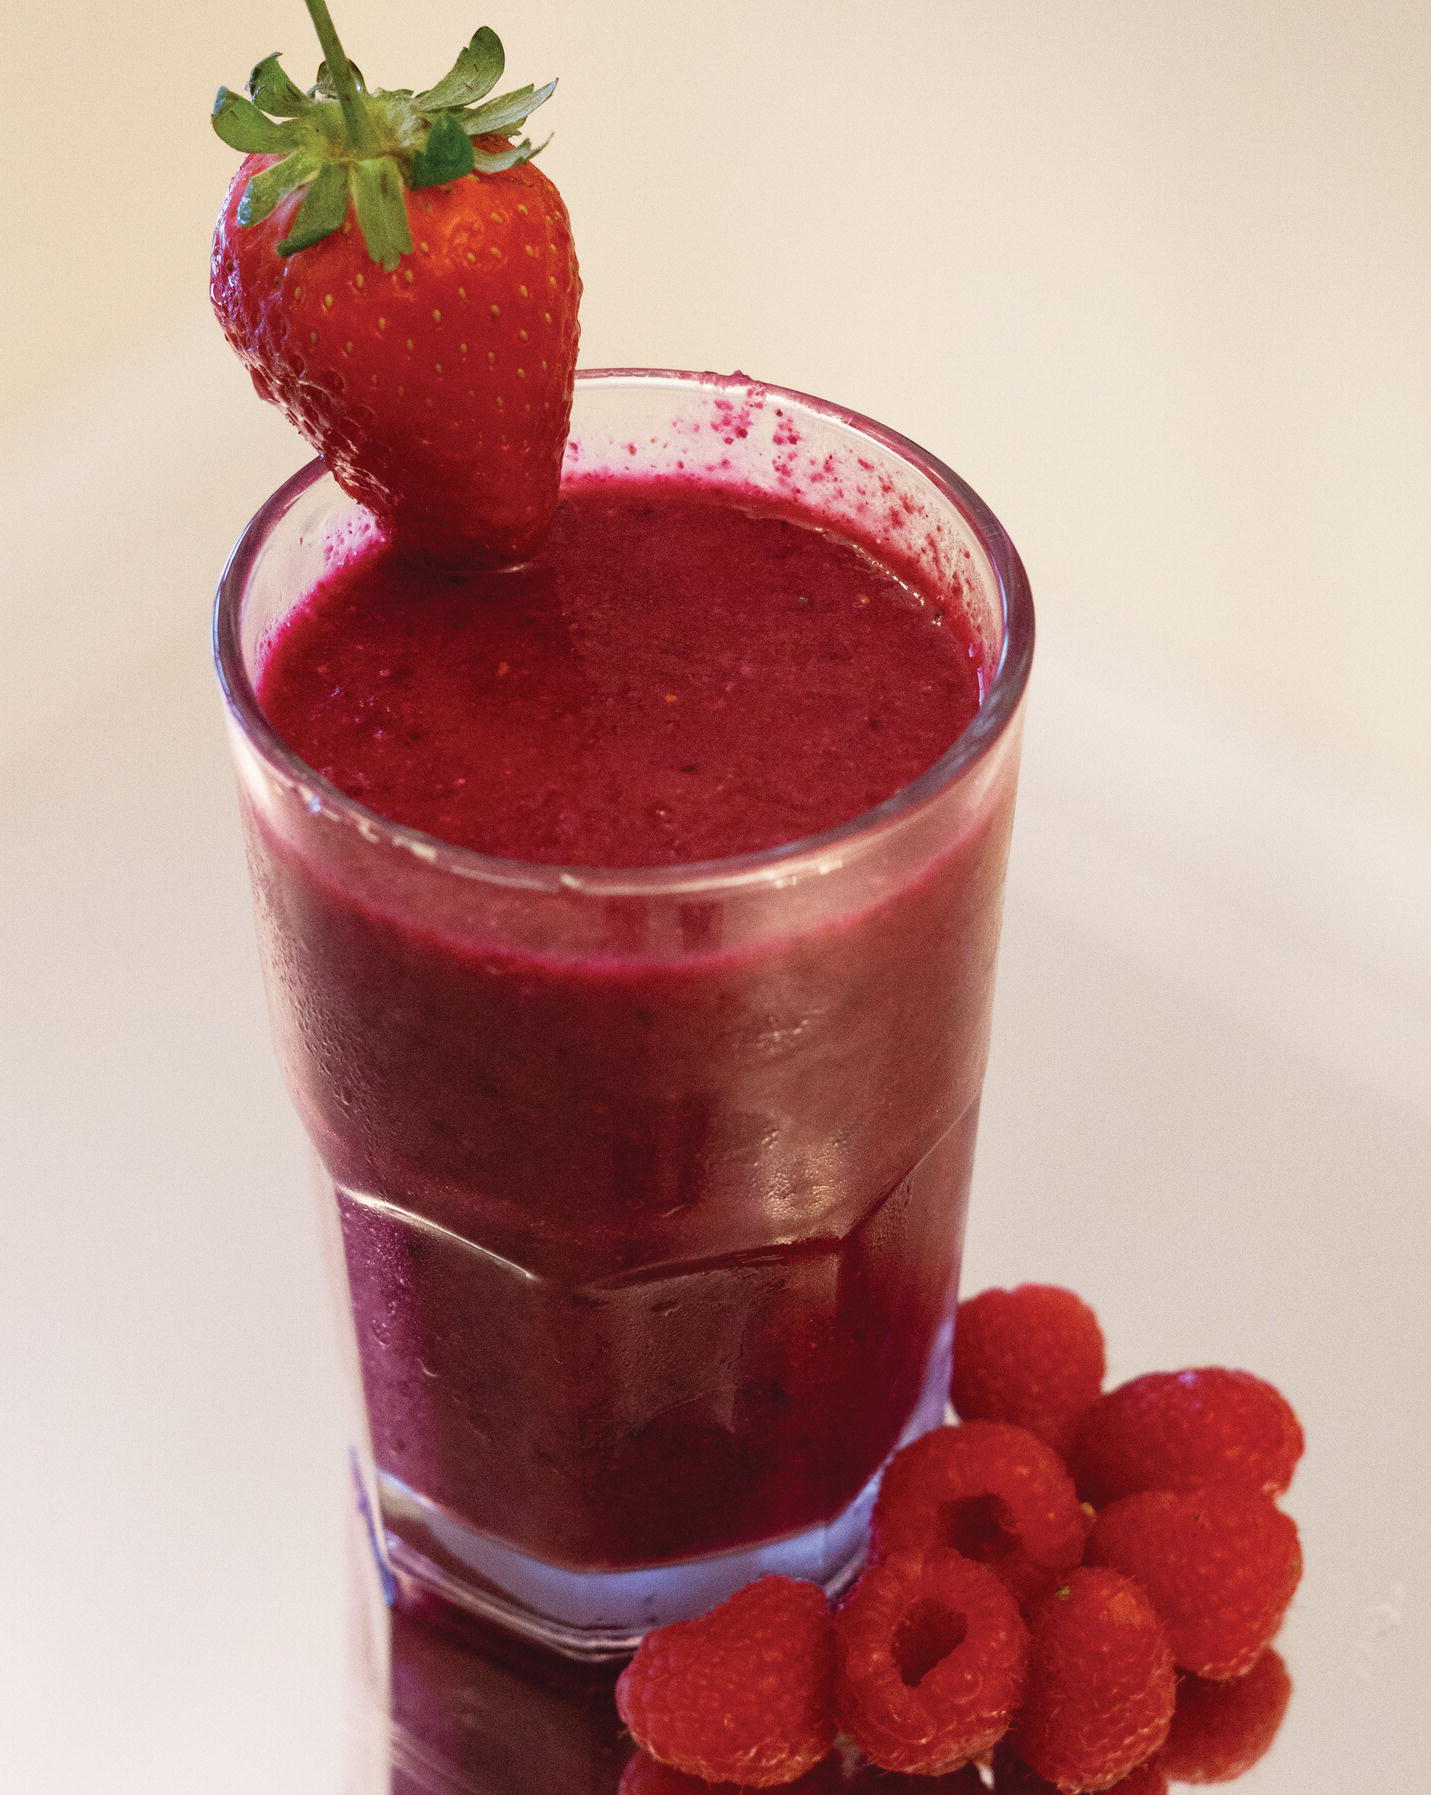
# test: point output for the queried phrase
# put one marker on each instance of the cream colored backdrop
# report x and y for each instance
(1154, 277)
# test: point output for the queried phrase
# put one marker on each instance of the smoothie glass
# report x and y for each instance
(647, 1187)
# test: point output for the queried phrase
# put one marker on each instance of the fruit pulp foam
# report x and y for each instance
(650, 1250)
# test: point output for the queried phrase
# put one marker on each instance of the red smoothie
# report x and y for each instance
(639, 1034)
(671, 679)
(648, 1257)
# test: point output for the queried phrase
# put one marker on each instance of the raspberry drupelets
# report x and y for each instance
(1033, 1356)
(1099, 1699)
(930, 1660)
(994, 1493)
(1193, 1577)
(1174, 1430)
(1220, 1565)
(742, 1694)
(1222, 1729)
(1012, 1777)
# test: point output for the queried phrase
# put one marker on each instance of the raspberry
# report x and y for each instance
(643, 1775)
(1100, 1685)
(1176, 1430)
(869, 1779)
(1222, 1729)
(1032, 1356)
(995, 1493)
(742, 1694)
(1012, 1777)
(1219, 1564)
(930, 1654)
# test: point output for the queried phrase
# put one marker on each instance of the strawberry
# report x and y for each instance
(400, 281)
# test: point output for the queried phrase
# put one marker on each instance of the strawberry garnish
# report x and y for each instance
(401, 282)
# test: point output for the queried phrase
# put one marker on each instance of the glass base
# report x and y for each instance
(594, 1615)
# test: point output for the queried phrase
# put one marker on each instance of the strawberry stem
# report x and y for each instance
(341, 144)
(345, 86)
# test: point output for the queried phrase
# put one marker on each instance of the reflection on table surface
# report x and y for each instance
(474, 1712)
(461, 1709)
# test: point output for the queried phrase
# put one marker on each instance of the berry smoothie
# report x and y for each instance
(651, 1184)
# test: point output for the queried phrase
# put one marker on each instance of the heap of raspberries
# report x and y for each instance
(1069, 1591)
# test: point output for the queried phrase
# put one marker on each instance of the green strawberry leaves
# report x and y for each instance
(472, 77)
(275, 183)
(325, 206)
(446, 156)
(342, 144)
(494, 162)
(498, 117)
(271, 90)
(243, 127)
(376, 187)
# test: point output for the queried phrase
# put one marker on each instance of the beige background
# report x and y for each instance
(1154, 278)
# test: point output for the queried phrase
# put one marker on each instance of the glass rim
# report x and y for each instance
(779, 864)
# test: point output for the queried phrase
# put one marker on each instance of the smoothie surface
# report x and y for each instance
(674, 677)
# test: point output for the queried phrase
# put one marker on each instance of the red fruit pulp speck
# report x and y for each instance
(670, 679)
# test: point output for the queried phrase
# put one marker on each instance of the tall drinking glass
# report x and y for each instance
(650, 1185)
